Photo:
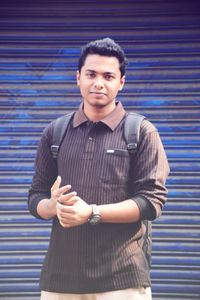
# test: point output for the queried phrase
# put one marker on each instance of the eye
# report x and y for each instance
(90, 75)
(109, 77)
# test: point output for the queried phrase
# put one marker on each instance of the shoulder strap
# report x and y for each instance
(132, 135)
(59, 130)
(132, 130)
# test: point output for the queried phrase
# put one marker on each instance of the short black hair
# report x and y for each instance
(104, 47)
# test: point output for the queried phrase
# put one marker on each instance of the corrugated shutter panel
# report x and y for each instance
(39, 48)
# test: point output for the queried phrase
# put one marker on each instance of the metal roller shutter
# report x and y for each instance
(39, 47)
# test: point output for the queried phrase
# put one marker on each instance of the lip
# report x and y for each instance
(98, 93)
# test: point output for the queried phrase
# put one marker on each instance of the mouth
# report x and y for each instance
(98, 93)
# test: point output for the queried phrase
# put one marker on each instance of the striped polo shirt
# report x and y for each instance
(94, 160)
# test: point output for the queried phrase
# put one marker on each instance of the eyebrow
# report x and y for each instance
(93, 71)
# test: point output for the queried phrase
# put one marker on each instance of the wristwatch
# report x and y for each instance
(95, 217)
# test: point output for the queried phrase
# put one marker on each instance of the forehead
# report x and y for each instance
(101, 63)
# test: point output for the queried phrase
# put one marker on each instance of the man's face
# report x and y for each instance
(100, 80)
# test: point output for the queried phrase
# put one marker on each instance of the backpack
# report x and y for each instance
(131, 135)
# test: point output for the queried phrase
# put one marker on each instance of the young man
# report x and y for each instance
(90, 183)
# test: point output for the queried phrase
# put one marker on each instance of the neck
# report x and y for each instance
(96, 114)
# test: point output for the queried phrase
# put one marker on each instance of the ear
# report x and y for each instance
(122, 81)
(78, 78)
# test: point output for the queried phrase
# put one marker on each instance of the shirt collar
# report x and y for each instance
(111, 120)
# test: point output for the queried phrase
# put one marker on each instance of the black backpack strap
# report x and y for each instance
(147, 246)
(132, 130)
(59, 130)
(132, 136)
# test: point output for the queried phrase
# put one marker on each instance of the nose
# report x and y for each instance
(98, 84)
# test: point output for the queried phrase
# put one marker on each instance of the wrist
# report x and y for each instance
(45, 209)
(95, 217)
(90, 212)
(51, 207)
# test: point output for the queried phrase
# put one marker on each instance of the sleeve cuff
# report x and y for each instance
(147, 211)
(34, 204)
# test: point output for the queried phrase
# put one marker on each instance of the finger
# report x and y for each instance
(67, 197)
(64, 210)
(65, 225)
(71, 201)
(58, 193)
(67, 222)
(62, 220)
(62, 198)
(56, 184)
(65, 217)
(60, 214)
(63, 189)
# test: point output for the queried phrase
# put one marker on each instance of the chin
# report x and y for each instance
(98, 104)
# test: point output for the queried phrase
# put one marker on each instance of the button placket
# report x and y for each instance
(90, 144)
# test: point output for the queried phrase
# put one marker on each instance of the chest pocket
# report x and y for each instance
(114, 168)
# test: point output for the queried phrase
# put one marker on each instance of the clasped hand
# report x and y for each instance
(71, 210)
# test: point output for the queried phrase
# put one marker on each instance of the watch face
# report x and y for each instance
(96, 219)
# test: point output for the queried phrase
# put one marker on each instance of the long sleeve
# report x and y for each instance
(151, 170)
(45, 173)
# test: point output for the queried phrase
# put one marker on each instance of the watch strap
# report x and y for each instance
(95, 217)
(95, 210)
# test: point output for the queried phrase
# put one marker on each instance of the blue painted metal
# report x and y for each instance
(40, 45)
